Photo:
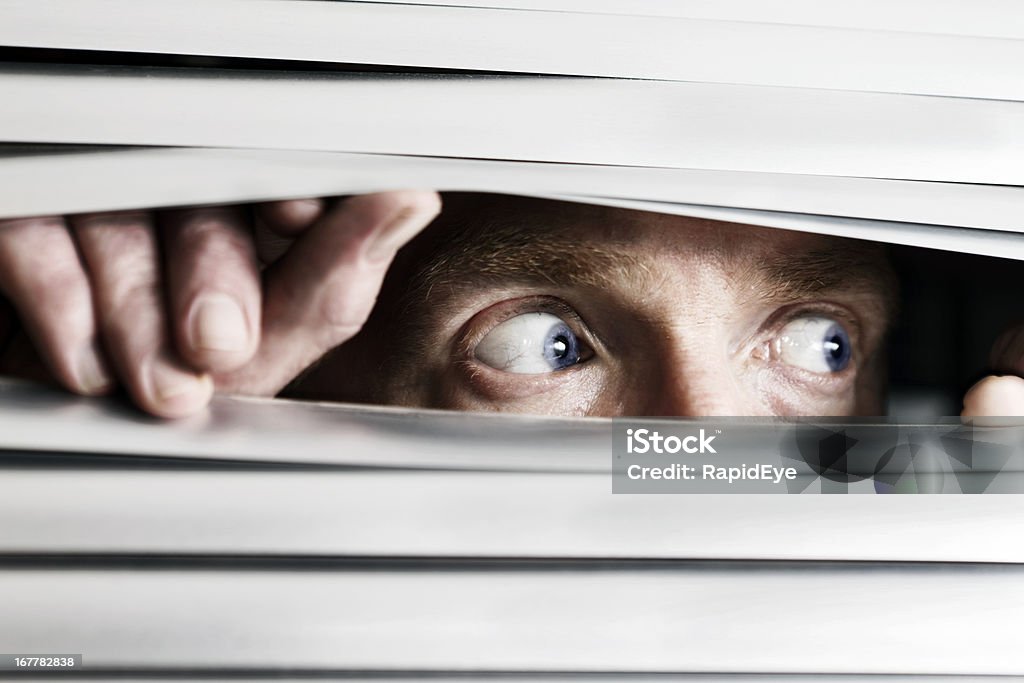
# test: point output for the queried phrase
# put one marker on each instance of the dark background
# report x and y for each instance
(953, 307)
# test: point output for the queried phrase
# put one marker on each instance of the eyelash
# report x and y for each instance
(475, 330)
(780, 318)
(486, 320)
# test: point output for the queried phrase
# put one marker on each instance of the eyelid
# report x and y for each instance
(769, 331)
(818, 309)
(485, 320)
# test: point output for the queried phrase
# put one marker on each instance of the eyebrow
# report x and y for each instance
(515, 246)
(851, 266)
(515, 253)
(530, 258)
(487, 248)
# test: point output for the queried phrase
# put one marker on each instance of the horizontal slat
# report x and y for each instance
(599, 121)
(466, 514)
(511, 677)
(965, 240)
(303, 433)
(791, 619)
(996, 18)
(69, 181)
(663, 48)
(261, 431)
(529, 487)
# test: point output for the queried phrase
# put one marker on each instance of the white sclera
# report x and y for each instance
(802, 344)
(517, 345)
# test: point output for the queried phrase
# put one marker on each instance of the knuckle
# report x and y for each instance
(211, 237)
(126, 310)
(345, 305)
(13, 226)
(115, 249)
(290, 214)
(136, 281)
(209, 228)
(29, 250)
(54, 288)
(208, 223)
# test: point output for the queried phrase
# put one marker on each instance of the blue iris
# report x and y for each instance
(836, 345)
(561, 347)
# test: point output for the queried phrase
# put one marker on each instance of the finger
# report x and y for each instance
(995, 396)
(121, 254)
(213, 286)
(290, 217)
(269, 245)
(322, 291)
(279, 223)
(42, 275)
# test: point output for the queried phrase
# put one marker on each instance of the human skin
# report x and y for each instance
(172, 305)
(668, 316)
(662, 315)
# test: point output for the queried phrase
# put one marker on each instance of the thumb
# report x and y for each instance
(1003, 394)
(995, 396)
(319, 294)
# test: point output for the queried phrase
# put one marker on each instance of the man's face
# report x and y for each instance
(539, 307)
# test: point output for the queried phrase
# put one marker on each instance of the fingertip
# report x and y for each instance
(42, 275)
(425, 203)
(213, 287)
(91, 375)
(172, 392)
(397, 216)
(290, 216)
(995, 396)
(379, 206)
(219, 335)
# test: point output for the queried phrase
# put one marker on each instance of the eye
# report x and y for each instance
(816, 344)
(530, 344)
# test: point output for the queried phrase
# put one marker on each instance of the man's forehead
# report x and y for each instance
(504, 241)
(533, 225)
(475, 257)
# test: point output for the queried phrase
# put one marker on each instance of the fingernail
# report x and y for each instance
(93, 377)
(182, 391)
(392, 236)
(218, 324)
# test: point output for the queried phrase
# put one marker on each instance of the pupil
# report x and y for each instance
(560, 346)
(835, 346)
